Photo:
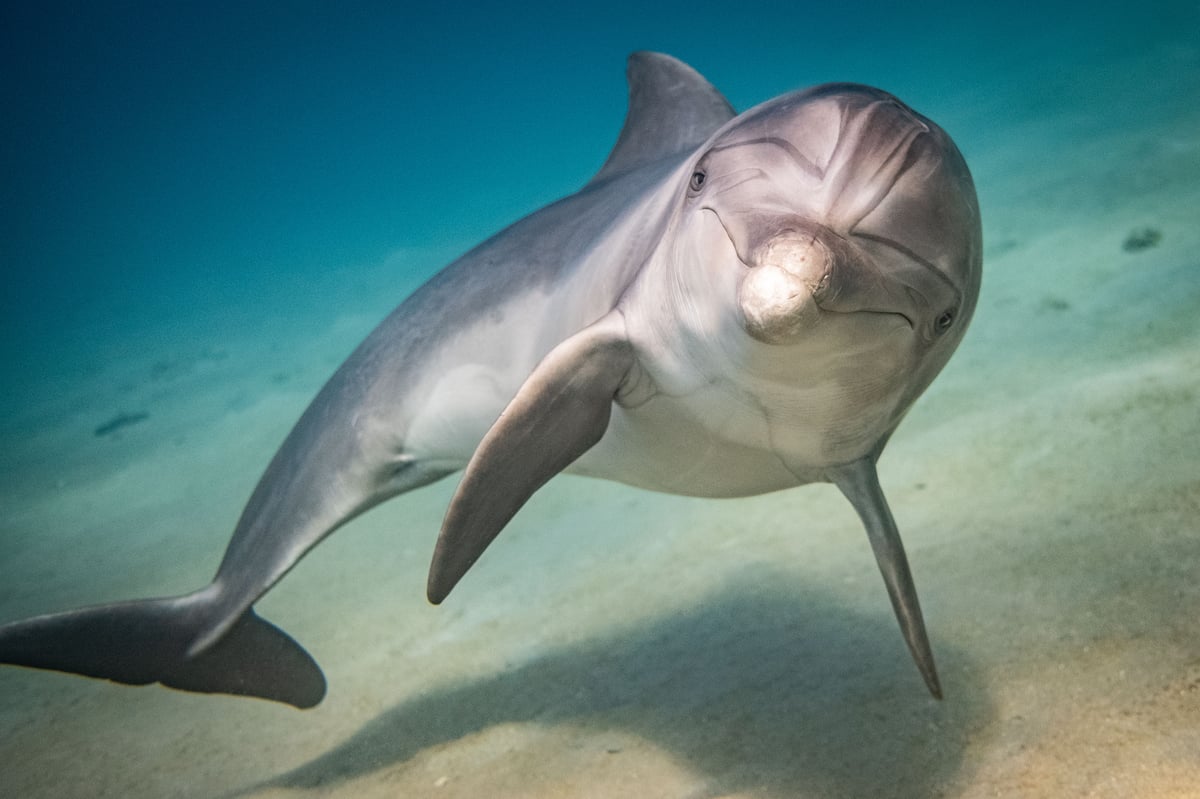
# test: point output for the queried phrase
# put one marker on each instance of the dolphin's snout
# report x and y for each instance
(803, 273)
(802, 256)
(780, 294)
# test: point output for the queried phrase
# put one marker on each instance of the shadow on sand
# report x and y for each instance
(766, 688)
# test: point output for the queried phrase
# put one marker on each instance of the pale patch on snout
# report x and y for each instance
(778, 295)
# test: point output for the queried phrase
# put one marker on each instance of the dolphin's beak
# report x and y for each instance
(883, 276)
(798, 269)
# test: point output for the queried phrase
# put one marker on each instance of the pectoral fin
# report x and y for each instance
(859, 482)
(560, 412)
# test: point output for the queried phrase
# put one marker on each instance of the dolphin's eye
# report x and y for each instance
(944, 322)
(697, 181)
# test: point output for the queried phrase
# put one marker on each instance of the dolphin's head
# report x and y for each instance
(840, 221)
(841, 199)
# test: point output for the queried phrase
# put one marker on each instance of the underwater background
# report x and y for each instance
(205, 206)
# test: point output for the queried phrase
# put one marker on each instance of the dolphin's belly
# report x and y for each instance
(662, 446)
(719, 439)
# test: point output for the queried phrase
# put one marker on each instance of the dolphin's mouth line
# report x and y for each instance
(728, 235)
(899, 314)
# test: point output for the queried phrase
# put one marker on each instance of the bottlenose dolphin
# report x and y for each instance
(732, 305)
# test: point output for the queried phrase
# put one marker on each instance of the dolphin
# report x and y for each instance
(734, 304)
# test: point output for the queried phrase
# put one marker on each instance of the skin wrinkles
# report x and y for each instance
(801, 160)
(724, 186)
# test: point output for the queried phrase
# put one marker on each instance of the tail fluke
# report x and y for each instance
(143, 642)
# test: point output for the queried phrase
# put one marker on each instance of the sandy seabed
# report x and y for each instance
(619, 643)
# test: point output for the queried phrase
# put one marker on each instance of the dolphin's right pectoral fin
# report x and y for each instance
(143, 642)
(560, 412)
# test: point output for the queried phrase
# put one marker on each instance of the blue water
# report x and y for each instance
(203, 207)
(160, 162)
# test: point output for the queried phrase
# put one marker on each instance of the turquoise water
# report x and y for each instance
(206, 208)
(160, 164)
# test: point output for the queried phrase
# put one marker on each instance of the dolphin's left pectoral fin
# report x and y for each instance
(859, 482)
(559, 413)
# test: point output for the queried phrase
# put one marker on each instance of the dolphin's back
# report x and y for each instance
(575, 257)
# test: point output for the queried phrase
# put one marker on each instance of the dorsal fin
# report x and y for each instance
(672, 108)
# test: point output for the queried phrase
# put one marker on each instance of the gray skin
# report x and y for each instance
(733, 305)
